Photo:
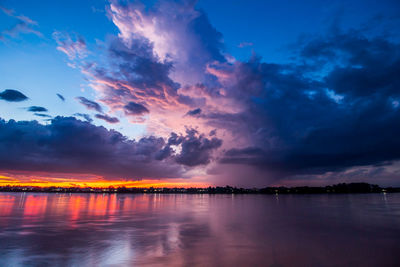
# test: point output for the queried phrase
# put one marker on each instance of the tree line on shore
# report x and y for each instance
(341, 188)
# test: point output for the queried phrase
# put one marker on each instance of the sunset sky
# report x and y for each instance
(197, 93)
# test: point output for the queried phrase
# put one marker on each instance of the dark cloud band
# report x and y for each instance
(12, 95)
(37, 109)
(68, 145)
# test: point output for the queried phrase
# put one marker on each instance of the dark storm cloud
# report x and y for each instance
(135, 67)
(107, 118)
(350, 117)
(133, 108)
(37, 109)
(335, 106)
(196, 149)
(61, 97)
(361, 66)
(68, 145)
(12, 95)
(89, 104)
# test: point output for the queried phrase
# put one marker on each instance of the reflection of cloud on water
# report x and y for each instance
(107, 229)
(187, 230)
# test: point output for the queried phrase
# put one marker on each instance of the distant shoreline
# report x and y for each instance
(342, 188)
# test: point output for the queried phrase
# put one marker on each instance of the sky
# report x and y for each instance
(198, 93)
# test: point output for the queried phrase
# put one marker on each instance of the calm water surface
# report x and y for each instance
(199, 230)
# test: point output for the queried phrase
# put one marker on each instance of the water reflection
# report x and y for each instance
(208, 230)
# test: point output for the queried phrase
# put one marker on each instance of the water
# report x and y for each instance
(199, 230)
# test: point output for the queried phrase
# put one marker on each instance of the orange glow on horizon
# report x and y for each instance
(42, 182)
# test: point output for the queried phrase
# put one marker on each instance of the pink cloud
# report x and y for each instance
(72, 48)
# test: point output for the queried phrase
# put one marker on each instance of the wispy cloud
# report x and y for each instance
(23, 25)
(37, 109)
(42, 115)
(245, 44)
(61, 97)
(89, 104)
(73, 46)
(107, 118)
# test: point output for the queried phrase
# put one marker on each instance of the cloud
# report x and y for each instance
(194, 112)
(23, 25)
(148, 62)
(68, 145)
(107, 118)
(61, 97)
(134, 75)
(135, 109)
(334, 106)
(295, 123)
(89, 104)
(196, 149)
(178, 31)
(37, 109)
(73, 46)
(245, 44)
(12, 95)
(84, 116)
(42, 115)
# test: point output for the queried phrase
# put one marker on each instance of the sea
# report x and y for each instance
(62, 229)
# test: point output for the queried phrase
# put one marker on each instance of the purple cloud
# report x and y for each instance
(73, 46)
(68, 145)
(194, 112)
(289, 119)
(107, 118)
(89, 104)
(135, 109)
(197, 149)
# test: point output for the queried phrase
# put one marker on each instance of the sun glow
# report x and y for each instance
(42, 182)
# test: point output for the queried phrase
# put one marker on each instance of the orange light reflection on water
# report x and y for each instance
(30, 207)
